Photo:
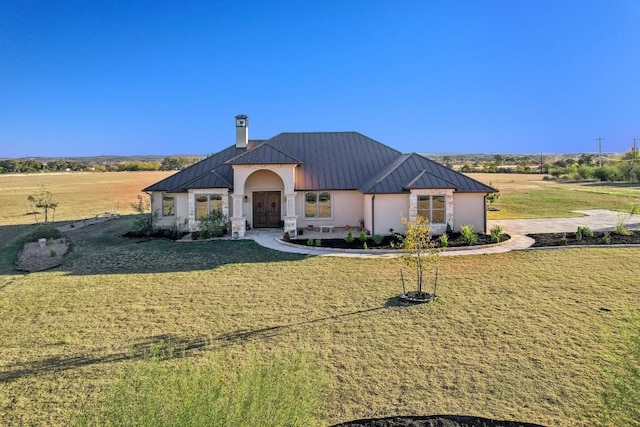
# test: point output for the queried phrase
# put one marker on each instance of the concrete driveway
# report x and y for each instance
(596, 219)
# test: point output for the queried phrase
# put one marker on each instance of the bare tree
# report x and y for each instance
(43, 199)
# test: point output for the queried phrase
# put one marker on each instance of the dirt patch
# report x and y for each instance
(37, 257)
(435, 421)
(598, 238)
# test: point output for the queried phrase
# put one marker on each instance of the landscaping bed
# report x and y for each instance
(434, 421)
(598, 238)
(392, 242)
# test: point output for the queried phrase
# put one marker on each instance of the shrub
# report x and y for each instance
(583, 231)
(53, 253)
(349, 237)
(364, 246)
(212, 225)
(496, 232)
(310, 241)
(378, 239)
(449, 229)
(468, 235)
(606, 237)
(444, 240)
(362, 236)
(44, 232)
(143, 224)
(318, 242)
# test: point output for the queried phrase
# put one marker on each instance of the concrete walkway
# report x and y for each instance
(596, 219)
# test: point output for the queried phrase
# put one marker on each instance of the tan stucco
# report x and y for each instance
(388, 211)
(346, 208)
(470, 209)
(248, 178)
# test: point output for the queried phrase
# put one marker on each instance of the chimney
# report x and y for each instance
(242, 131)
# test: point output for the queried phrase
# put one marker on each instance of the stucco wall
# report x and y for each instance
(346, 208)
(470, 209)
(389, 209)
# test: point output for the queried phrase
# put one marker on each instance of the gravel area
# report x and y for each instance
(35, 257)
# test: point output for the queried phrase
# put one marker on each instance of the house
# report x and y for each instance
(295, 180)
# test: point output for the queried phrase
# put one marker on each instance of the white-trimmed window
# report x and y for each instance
(317, 204)
(432, 208)
(168, 204)
(207, 203)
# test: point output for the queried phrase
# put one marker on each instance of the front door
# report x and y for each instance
(266, 209)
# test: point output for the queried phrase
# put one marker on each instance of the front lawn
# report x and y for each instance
(524, 335)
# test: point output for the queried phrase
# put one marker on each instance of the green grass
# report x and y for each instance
(622, 396)
(281, 391)
(512, 336)
(529, 196)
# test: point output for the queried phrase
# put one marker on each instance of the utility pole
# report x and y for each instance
(634, 152)
(600, 151)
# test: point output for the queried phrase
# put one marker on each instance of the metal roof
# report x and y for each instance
(326, 161)
(263, 154)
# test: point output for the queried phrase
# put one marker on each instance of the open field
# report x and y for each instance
(80, 195)
(524, 335)
(529, 196)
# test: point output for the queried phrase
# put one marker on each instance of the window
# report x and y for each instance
(432, 208)
(207, 203)
(168, 205)
(317, 205)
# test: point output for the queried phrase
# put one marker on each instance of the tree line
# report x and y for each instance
(578, 168)
(61, 165)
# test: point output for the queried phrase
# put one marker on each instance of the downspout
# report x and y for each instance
(373, 215)
(485, 213)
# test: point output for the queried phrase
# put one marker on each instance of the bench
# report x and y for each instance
(329, 228)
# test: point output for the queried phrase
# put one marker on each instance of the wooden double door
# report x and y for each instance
(266, 209)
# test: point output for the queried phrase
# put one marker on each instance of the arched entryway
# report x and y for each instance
(264, 190)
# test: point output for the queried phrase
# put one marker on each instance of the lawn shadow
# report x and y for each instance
(168, 346)
(163, 347)
(101, 249)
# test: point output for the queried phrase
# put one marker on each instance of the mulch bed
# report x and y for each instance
(435, 421)
(569, 239)
(34, 257)
(393, 242)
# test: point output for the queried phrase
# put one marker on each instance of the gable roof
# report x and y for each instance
(198, 175)
(263, 154)
(414, 171)
(325, 161)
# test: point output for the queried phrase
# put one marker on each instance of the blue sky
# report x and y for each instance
(153, 77)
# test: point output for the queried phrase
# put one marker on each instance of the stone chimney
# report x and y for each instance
(242, 131)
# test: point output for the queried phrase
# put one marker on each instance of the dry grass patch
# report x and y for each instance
(79, 194)
(513, 336)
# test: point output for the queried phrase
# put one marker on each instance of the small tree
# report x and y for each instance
(43, 199)
(421, 253)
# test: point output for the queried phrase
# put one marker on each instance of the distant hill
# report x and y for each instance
(105, 159)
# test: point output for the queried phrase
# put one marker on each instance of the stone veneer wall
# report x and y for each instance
(223, 192)
(413, 207)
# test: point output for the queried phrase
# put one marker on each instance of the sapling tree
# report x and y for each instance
(43, 199)
(420, 252)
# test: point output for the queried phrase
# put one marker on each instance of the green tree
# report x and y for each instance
(421, 253)
(177, 162)
(43, 199)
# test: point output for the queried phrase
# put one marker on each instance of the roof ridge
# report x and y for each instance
(426, 172)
